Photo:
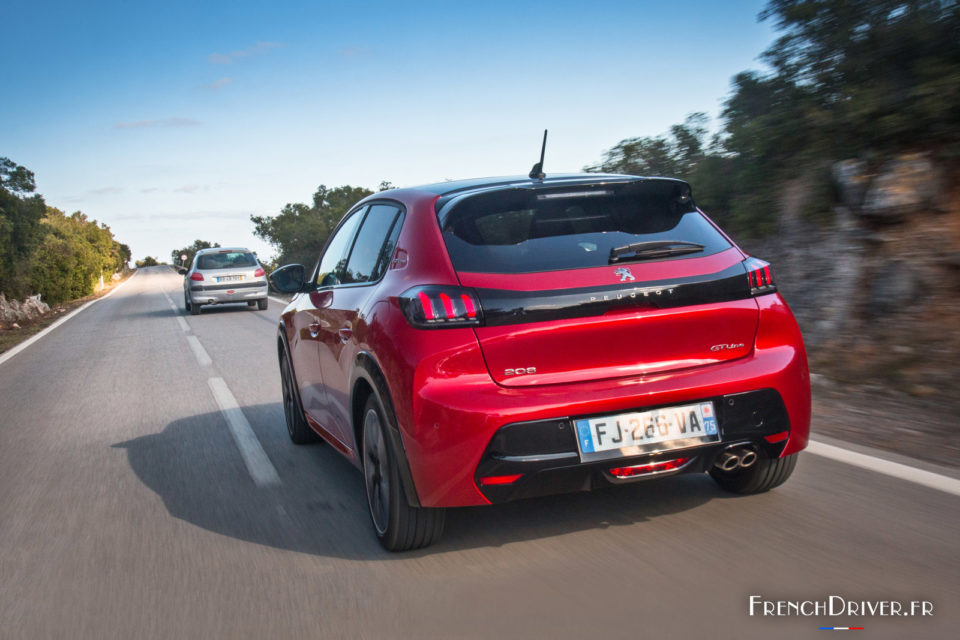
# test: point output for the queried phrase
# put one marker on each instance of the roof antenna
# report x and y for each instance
(537, 172)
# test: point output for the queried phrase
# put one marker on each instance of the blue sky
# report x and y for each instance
(178, 120)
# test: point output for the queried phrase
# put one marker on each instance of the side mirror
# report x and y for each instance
(289, 279)
(182, 271)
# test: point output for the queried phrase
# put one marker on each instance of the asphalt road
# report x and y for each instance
(127, 511)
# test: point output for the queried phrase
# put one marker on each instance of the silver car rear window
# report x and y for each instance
(226, 260)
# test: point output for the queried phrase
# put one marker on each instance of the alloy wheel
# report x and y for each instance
(376, 471)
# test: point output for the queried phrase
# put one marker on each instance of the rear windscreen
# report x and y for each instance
(226, 260)
(524, 230)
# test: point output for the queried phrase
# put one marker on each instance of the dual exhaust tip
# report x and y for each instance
(736, 457)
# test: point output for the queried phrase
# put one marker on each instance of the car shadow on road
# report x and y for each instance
(227, 307)
(320, 508)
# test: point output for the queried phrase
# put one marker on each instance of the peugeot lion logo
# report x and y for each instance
(624, 274)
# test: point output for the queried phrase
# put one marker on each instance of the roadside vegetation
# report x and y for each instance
(149, 261)
(848, 79)
(45, 251)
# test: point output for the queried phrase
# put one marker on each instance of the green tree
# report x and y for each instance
(15, 178)
(848, 78)
(72, 257)
(299, 231)
(189, 251)
(878, 73)
(20, 227)
(675, 154)
(149, 261)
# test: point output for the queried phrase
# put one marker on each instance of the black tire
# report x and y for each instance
(251, 303)
(399, 527)
(262, 304)
(297, 427)
(194, 309)
(186, 302)
(764, 475)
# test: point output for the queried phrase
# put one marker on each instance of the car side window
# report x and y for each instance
(335, 257)
(366, 262)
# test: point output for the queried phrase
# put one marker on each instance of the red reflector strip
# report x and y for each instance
(498, 480)
(642, 469)
(448, 306)
(766, 274)
(468, 305)
(777, 437)
(427, 305)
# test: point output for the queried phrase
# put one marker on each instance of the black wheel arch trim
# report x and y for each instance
(282, 334)
(365, 367)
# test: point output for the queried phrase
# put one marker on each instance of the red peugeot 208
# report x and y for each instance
(474, 342)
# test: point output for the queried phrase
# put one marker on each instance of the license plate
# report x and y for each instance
(229, 278)
(630, 434)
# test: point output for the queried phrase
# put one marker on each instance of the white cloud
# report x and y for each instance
(192, 188)
(104, 191)
(259, 48)
(217, 84)
(162, 122)
(353, 52)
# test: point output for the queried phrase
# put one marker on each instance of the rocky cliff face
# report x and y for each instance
(877, 289)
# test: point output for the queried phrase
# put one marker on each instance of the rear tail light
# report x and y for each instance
(433, 307)
(644, 469)
(259, 272)
(196, 275)
(759, 276)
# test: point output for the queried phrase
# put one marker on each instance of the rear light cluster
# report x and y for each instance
(196, 275)
(259, 272)
(759, 276)
(434, 307)
(644, 469)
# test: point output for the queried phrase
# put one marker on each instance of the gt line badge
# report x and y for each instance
(723, 347)
(624, 274)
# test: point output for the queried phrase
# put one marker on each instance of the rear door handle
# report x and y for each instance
(345, 334)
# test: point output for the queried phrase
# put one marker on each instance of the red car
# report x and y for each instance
(474, 342)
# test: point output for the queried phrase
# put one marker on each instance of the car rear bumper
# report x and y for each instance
(449, 430)
(540, 458)
(223, 293)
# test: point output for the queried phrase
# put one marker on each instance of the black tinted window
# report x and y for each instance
(226, 260)
(522, 231)
(335, 257)
(371, 253)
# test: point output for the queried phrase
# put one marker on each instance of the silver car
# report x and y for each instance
(224, 275)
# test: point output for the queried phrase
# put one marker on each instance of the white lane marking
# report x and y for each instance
(183, 324)
(894, 469)
(258, 464)
(202, 356)
(29, 341)
(279, 300)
